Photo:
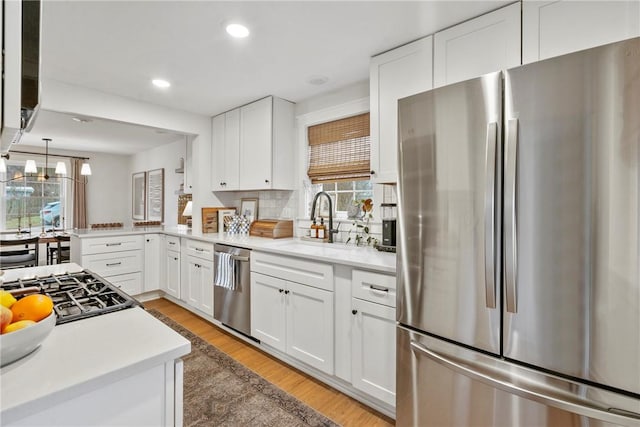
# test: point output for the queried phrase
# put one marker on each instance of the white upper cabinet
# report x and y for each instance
(225, 152)
(555, 28)
(482, 45)
(253, 147)
(396, 74)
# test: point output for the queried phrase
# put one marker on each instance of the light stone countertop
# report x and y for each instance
(336, 253)
(61, 369)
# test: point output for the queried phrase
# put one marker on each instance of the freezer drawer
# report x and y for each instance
(440, 384)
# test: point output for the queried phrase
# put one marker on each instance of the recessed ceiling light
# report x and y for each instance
(160, 83)
(81, 119)
(318, 80)
(237, 31)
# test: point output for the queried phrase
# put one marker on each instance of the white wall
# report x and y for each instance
(168, 157)
(62, 97)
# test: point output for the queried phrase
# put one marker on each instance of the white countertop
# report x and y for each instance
(84, 355)
(337, 253)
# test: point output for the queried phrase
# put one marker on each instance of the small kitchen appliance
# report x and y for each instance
(389, 218)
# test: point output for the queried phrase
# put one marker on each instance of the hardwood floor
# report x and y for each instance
(324, 399)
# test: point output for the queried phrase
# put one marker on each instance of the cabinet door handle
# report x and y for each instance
(148, 240)
(266, 181)
(354, 312)
(175, 259)
(281, 290)
(197, 265)
(373, 172)
(113, 263)
(286, 292)
(379, 289)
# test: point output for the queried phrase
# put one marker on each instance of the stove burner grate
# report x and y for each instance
(77, 295)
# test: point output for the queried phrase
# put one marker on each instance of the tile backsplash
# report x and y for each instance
(272, 204)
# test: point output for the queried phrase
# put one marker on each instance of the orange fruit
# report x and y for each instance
(15, 326)
(32, 307)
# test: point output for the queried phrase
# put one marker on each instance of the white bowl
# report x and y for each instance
(15, 345)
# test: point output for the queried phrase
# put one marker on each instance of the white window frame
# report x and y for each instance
(66, 208)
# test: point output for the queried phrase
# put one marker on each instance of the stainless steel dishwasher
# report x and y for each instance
(232, 307)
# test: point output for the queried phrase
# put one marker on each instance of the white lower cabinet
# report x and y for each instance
(171, 283)
(373, 350)
(293, 318)
(197, 283)
(152, 273)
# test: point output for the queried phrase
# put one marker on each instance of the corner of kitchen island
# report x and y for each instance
(120, 368)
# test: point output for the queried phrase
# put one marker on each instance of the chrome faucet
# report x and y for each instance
(313, 213)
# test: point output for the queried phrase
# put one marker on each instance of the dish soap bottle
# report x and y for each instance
(322, 229)
(313, 233)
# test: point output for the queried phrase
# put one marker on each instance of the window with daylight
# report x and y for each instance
(32, 200)
(339, 160)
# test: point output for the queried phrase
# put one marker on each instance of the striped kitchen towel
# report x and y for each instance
(226, 271)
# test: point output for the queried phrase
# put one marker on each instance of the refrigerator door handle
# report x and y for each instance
(489, 215)
(510, 244)
(522, 386)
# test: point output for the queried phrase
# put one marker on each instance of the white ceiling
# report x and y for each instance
(119, 46)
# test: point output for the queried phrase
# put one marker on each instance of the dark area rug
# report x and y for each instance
(218, 391)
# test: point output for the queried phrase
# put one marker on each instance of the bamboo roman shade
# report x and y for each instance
(340, 150)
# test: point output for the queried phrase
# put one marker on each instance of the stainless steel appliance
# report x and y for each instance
(519, 246)
(76, 295)
(21, 68)
(232, 305)
(389, 221)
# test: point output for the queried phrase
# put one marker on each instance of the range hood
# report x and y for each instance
(21, 23)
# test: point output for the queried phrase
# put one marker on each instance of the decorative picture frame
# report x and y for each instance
(224, 217)
(249, 208)
(155, 195)
(138, 195)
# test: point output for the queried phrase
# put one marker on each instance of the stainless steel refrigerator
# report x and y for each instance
(519, 246)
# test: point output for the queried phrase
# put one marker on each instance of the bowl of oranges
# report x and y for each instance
(24, 323)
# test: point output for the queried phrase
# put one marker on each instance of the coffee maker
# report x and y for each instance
(389, 220)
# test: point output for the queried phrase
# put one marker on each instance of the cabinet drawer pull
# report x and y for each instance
(172, 243)
(379, 289)
(354, 312)
(114, 244)
(199, 249)
(114, 263)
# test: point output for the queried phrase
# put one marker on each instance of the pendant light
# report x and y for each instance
(30, 166)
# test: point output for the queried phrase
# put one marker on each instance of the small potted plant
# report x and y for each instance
(360, 231)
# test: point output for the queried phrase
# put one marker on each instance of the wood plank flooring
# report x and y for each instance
(324, 399)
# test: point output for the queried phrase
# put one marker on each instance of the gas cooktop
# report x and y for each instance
(75, 295)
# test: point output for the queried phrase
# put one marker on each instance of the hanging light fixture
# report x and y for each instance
(3, 164)
(86, 169)
(61, 168)
(30, 166)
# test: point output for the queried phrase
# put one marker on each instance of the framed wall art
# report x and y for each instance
(155, 195)
(249, 208)
(138, 199)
